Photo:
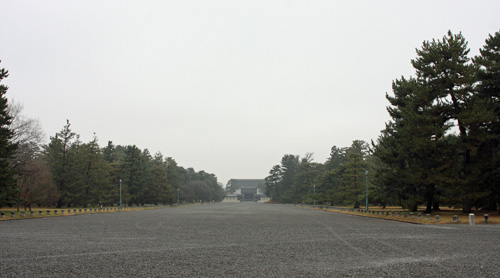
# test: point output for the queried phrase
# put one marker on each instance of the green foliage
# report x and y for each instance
(80, 172)
(200, 186)
(486, 131)
(340, 180)
(92, 176)
(60, 156)
(8, 189)
(424, 160)
(307, 173)
(408, 146)
(72, 173)
(444, 69)
(272, 183)
(281, 179)
(352, 187)
(86, 174)
(344, 183)
(442, 144)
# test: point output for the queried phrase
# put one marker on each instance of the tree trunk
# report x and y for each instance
(428, 209)
(435, 206)
(429, 197)
(467, 208)
(414, 207)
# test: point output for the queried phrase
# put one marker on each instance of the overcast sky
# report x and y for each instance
(228, 87)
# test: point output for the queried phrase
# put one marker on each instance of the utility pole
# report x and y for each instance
(120, 193)
(366, 181)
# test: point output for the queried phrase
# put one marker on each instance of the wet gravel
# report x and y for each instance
(243, 240)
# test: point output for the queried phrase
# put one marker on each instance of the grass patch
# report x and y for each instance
(54, 212)
(68, 211)
(59, 212)
(445, 215)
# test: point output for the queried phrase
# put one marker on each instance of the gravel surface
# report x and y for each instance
(243, 240)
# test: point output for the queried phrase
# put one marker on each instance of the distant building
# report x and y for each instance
(246, 189)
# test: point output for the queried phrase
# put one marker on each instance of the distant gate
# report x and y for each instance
(246, 189)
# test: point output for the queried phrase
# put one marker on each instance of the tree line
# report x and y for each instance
(67, 172)
(441, 146)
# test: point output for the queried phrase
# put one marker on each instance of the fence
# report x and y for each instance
(79, 211)
(397, 214)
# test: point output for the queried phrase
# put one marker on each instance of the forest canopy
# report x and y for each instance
(441, 146)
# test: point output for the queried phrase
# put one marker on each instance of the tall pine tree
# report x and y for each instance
(60, 158)
(8, 189)
(487, 131)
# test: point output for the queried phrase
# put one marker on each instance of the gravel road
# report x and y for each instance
(243, 240)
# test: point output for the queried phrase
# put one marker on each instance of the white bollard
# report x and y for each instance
(471, 219)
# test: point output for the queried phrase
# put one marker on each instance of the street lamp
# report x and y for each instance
(366, 182)
(314, 195)
(120, 193)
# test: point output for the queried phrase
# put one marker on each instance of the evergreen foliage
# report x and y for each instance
(441, 146)
(8, 189)
(86, 174)
(487, 131)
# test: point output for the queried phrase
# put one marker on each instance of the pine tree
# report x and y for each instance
(410, 146)
(134, 173)
(328, 182)
(444, 68)
(92, 175)
(8, 189)
(174, 177)
(59, 154)
(487, 131)
(272, 183)
(289, 166)
(352, 187)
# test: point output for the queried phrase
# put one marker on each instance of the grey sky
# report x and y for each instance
(228, 87)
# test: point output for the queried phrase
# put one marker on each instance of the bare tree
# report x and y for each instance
(36, 184)
(34, 180)
(28, 134)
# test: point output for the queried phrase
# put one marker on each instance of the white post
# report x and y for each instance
(471, 219)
